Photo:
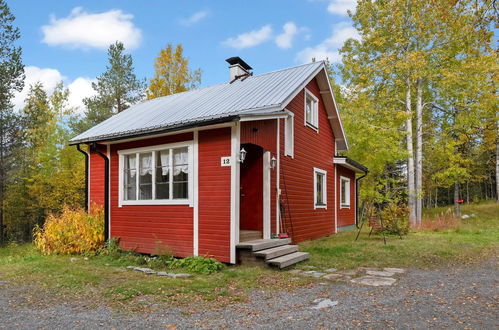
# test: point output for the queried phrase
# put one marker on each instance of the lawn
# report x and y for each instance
(105, 279)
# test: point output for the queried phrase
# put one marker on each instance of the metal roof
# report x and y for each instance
(256, 94)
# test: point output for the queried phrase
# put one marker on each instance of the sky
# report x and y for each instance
(68, 40)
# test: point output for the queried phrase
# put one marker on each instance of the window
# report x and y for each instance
(344, 192)
(156, 175)
(320, 189)
(311, 110)
(289, 137)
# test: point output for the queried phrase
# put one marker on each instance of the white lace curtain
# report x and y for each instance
(145, 164)
(180, 162)
(164, 156)
(132, 165)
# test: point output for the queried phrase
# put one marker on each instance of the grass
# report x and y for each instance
(104, 278)
(467, 240)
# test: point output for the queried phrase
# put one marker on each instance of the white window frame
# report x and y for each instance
(345, 205)
(324, 189)
(315, 111)
(153, 149)
(289, 135)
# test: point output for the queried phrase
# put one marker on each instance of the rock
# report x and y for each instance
(144, 270)
(380, 273)
(330, 270)
(181, 275)
(163, 274)
(86, 259)
(324, 303)
(309, 267)
(349, 272)
(295, 271)
(73, 259)
(173, 275)
(374, 280)
(313, 273)
(394, 270)
(332, 277)
(465, 216)
(369, 268)
(130, 267)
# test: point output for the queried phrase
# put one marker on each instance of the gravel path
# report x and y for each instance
(465, 297)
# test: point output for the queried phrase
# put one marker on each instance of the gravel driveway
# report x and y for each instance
(460, 297)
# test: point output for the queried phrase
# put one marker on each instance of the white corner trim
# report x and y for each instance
(324, 187)
(89, 181)
(195, 196)
(234, 191)
(278, 179)
(108, 151)
(347, 192)
(266, 194)
(335, 200)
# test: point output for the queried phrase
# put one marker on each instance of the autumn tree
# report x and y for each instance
(172, 73)
(11, 80)
(116, 89)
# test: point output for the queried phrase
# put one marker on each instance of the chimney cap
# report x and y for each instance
(237, 60)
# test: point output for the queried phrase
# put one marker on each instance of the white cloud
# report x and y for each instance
(328, 49)
(285, 39)
(194, 18)
(340, 7)
(86, 30)
(79, 88)
(250, 39)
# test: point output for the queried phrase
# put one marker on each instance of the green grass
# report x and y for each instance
(471, 240)
(104, 278)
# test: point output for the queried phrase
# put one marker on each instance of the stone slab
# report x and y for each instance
(332, 277)
(324, 303)
(394, 270)
(379, 273)
(330, 270)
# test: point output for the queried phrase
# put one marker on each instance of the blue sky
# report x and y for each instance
(68, 39)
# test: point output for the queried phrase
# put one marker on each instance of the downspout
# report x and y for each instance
(106, 191)
(86, 175)
(357, 198)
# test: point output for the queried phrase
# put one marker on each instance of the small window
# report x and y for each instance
(344, 192)
(311, 110)
(129, 177)
(289, 136)
(320, 188)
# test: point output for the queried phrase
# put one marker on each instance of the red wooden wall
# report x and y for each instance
(346, 216)
(96, 180)
(311, 149)
(214, 194)
(150, 228)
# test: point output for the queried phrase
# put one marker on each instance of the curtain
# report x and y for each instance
(164, 155)
(131, 165)
(181, 161)
(145, 164)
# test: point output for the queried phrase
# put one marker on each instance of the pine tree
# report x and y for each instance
(172, 74)
(11, 80)
(116, 89)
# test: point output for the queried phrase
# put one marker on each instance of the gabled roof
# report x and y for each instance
(350, 164)
(260, 94)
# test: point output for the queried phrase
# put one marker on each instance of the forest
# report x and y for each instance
(417, 94)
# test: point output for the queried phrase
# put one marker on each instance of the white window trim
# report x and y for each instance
(315, 114)
(289, 135)
(347, 192)
(324, 187)
(124, 152)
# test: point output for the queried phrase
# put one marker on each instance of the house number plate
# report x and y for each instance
(225, 161)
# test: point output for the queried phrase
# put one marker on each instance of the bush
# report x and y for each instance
(199, 265)
(72, 232)
(441, 222)
(395, 219)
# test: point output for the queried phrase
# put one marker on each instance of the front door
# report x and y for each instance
(251, 201)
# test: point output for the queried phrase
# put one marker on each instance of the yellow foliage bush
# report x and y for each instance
(72, 232)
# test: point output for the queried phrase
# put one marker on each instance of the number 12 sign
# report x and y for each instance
(225, 161)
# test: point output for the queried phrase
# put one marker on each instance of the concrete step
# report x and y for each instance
(288, 259)
(262, 244)
(249, 235)
(276, 252)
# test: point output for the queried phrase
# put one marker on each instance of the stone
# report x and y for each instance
(324, 303)
(173, 275)
(86, 259)
(144, 270)
(309, 267)
(369, 268)
(181, 275)
(73, 259)
(349, 272)
(332, 277)
(313, 273)
(295, 271)
(330, 270)
(374, 280)
(379, 273)
(394, 270)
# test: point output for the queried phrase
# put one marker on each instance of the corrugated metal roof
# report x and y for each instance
(261, 93)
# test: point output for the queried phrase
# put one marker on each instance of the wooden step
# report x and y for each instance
(276, 252)
(262, 244)
(288, 259)
(249, 235)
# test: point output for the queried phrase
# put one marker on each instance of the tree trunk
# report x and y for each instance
(467, 192)
(497, 160)
(410, 159)
(436, 197)
(419, 149)
(457, 206)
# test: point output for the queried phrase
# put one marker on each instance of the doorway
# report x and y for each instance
(251, 193)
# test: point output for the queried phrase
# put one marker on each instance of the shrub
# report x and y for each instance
(441, 222)
(395, 219)
(201, 265)
(72, 232)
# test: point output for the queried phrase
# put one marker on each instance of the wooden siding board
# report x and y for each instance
(346, 216)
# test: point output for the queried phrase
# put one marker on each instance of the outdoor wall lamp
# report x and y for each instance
(242, 155)
(273, 162)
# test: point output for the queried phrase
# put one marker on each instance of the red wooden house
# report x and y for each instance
(201, 172)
